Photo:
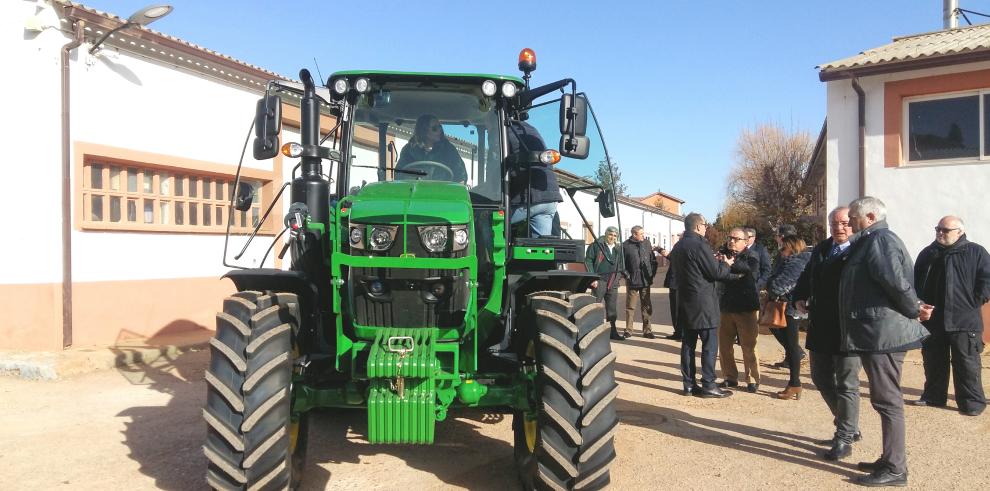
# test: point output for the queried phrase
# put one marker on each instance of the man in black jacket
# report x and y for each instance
(602, 257)
(668, 283)
(641, 266)
(834, 372)
(953, 274)
(740, 307)
(697, 304)
(878, 319)
(760, 251)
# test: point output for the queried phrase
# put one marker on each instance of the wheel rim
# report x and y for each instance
(293, 435)
(529, 421)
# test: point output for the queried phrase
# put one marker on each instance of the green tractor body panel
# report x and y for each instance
(402, 367)
(384, 74)
(411, 203)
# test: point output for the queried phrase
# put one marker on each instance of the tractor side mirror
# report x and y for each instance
(606, 203)
(573, 111)
(244, 196)
(575, 148)
(267, 125)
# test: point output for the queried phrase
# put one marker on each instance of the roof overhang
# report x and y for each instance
(903, 66)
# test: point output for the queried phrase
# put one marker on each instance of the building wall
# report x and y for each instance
(916, 195)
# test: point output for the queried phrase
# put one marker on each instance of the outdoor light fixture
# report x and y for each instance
(142, 17)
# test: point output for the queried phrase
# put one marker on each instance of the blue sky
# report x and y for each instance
(672, 82)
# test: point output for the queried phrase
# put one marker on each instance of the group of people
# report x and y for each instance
(866, 305)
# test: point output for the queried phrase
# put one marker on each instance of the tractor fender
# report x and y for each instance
(277, 280)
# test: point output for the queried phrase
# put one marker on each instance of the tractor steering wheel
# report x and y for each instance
(431, 167)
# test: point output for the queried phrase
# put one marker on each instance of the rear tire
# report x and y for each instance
(252, 441)
(568, 443)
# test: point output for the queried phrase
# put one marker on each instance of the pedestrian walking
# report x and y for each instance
(603, 258)
(640, 267)
(834, 372)
(953, 275)
(697, 271)
(879, 315)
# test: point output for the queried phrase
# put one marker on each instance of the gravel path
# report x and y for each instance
(141, 428)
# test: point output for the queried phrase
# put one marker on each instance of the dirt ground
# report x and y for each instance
(141, 428)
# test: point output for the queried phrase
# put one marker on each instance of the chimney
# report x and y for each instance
(950, 14)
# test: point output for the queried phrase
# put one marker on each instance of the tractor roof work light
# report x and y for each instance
(527, 60)
(142, 17)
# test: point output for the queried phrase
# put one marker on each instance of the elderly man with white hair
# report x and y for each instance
(879, 320)
(953, 274)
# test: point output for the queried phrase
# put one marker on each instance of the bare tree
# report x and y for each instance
(765, 183)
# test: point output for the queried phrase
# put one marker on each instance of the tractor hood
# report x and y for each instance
(412, 202)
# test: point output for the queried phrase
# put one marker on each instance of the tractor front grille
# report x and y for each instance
(391, 297)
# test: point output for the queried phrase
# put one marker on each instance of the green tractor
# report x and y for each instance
(411, 291)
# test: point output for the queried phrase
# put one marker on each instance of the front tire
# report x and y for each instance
(252, 441)
(568, 442)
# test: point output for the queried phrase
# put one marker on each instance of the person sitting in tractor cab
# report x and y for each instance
(429, 155)
(536, 179)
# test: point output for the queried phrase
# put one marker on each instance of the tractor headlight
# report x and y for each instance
(362, 85)
(509, 89)
(460, 233)
(382, 237)
(488, 88)
(434, 237)
(356, 236)
(340, 86)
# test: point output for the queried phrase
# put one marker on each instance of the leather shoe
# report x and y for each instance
(838, 451)
(672, 336)
(694, 389)
(926, 403)
(752, 388)
(971, 412)
(649, 335)
(883, 477)
(728, 383)
(616, 337)
(871, 466)
(715, 393)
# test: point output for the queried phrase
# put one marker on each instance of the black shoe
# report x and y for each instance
(882, 477)
(615, 336)
(626, 333)
(838, 451)
(694, 389)
(649, 335)
(675, 337)
(715, 393)
(926, 403)
(971, 412)
(728, 383)
(752, 388)
(871, 466)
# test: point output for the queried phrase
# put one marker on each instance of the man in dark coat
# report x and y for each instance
(640, 267)
(953, 274)
(740, 307)
(760, 251)
(603, 258)
(668, 283)
(834, 372)
(533, 184)
(697, 304)
(878, 319)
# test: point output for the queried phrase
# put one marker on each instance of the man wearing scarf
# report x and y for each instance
(603, 257)
(953, 274)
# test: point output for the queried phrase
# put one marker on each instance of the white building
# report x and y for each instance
(909, 123)
(120, 237)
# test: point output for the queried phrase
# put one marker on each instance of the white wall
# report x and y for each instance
(916, 195)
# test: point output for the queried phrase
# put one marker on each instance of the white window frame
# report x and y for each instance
(906, 120)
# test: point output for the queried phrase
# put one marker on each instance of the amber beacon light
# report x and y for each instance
(527, 60)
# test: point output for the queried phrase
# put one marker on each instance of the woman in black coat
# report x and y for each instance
(780, 287)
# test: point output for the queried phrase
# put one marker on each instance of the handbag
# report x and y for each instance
(773, 314)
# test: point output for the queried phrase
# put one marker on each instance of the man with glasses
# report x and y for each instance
(953, 275)
(740, 309)
(878, 319)
(697, 304)
(834, 371)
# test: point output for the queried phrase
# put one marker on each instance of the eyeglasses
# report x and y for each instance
(736, 239)
(943, 230)
(839, 224)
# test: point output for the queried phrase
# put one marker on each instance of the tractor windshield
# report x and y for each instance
(427, 130)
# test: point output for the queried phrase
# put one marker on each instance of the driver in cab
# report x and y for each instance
(429, 155)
